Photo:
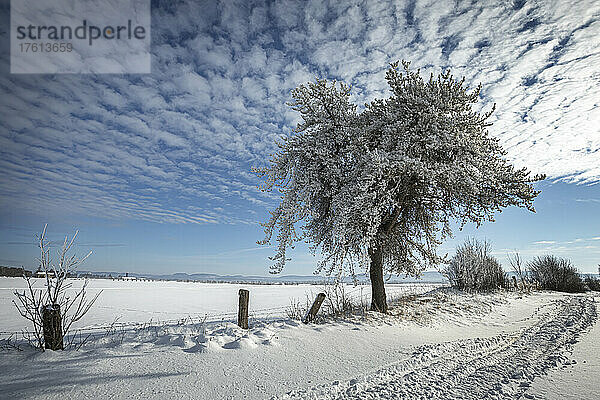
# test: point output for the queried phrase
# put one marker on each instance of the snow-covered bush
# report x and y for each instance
(473, 269)
(61, 308)
(592, 283)
(554, 273)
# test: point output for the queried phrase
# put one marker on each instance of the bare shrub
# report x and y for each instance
(55, 295)
(520, 270)
(296, 310)
(473, 269)
(9, 343)
(339, 304)
(553, 273)
(592, 283)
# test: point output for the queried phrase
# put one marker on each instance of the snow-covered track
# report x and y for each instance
(498, 367)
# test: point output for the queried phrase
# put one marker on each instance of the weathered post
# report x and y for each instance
(312, 313)
(243, 309)
(52, 325)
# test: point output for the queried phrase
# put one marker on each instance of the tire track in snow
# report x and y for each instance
(499, 367)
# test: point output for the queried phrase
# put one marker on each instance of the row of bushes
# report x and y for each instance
(474, 269)
(14, 272)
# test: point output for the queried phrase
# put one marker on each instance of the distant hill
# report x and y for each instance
(429, 277)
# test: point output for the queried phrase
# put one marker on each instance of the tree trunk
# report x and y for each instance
(378, 298)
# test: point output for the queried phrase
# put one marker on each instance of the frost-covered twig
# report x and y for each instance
(31, 302)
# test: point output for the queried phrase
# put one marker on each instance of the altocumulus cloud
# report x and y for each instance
(177, 145)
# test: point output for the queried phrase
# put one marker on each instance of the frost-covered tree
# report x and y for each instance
(380, 187)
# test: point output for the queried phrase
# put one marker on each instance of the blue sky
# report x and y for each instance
(154, 170)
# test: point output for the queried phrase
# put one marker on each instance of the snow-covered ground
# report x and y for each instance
(578, 377)
(440, 344)
(143, 301)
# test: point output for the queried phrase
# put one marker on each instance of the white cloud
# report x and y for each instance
(156, 146)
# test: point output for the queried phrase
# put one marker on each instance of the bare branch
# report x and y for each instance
(31, 302)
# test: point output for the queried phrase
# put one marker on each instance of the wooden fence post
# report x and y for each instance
(52, 325)
(310, 315)
(243, 309)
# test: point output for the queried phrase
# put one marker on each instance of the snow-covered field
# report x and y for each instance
(144, 301)
(440, 344)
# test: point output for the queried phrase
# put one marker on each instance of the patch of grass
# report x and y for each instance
(338, 304)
